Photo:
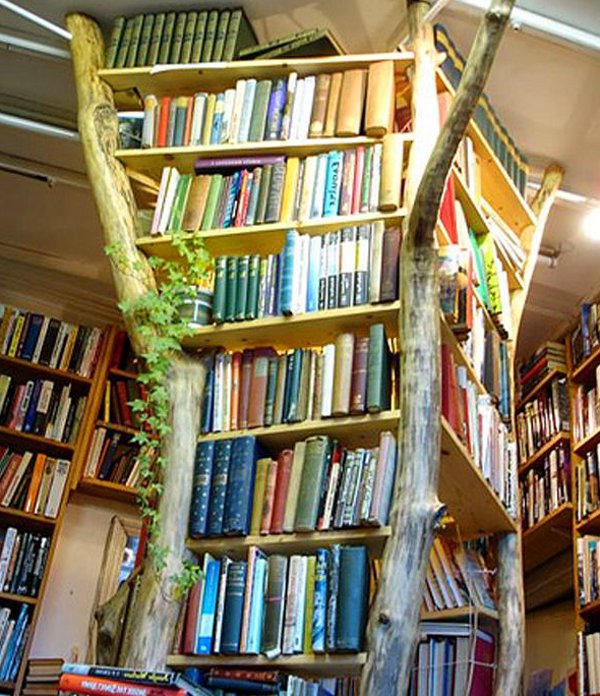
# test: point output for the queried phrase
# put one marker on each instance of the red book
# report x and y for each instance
(258, 387)
(95, 686)
(163, 122)
(448, 211)
(284, 468)
(247, 358)
(240, 214)
(11, 469)
(450, 404)
(269, 677)
(124, 410)
(358, 390)
(236, 375)
(191, 618)
(119, 344)
(267, 511)
(189, 114)
(483, 665)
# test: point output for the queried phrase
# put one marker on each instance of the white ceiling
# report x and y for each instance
(547, 94)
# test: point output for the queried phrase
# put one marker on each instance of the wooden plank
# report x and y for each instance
(550, 582)
(587, 443)
(543, 451)
(21, 599)
(122, 374)
(469, 613)
(41, 444)
(18, 366)
(108, 490)
(548, 537)
(18, 517)
(590, 611)
(589, 524)
(539, 387)
(117, 427)
(584, 370)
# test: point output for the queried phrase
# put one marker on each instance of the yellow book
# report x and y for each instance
(106, 412)
(310, 604)
(208, 118)
(290, 184)
(14, 342)
(69, 347)
(262, 466)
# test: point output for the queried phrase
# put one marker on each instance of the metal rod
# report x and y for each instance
(40, 170)
(28, 124)
(14, 42)
(36, 19)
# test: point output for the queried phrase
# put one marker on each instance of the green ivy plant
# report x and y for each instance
(161, 321)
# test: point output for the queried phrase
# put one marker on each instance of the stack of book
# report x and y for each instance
(343, 268)
(586, 407)
(14, 634)
(274, 605)
(547, 486)
(268, 681)
(178, 37)
(113, 456)
(22, 560)
(587, 483)
(293, 108)
(456, 577)
(543, 417)
(49, 342)
(42, 677)
(260, 387)
(41, 407)
(586, 336)
(319, 485)
(588, 661)
(32, 482)
(588, 568)
(453, 659)
(551, 356)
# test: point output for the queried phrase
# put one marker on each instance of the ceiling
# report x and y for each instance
(547, 94)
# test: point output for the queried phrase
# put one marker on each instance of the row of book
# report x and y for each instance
(549, 357)
(32, 482)
(203, 36)
(14, 634)
(274, 605)
(261, 387)
(543, 417)
(23, 558)
(41, 407)
(344, 268)
(118, 396)
(587, 483)
(112, 456)
(294, 108)
(123, 357)
(319, 485)
(41, 676)
(50, 342)
(547, 486)
(588, 662)
(588, 568)
(586, 335)
(586, 408)
(257, 189)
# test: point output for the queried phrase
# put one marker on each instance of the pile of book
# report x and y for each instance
(454, 659)
(41, 407)
(178, 37)
(42, 677)
(49, 342)
(22, 560)
(288, 108)
(32, 482)
(344, 268)
(275, 605)
(318, 485)
(586, 336)
(587, 483)
(112, 456)
(546, 486)
(118, 396)
(14, 634)
(226, 680)
(551, 356)
(512, 159)
(588, 568)
(260, 387)
(586, 407)
(456, 577)
(588, 660)
(544, 417)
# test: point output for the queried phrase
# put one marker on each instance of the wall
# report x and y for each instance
(62, 629)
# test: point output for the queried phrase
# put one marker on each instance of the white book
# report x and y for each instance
(375, 177)
(369, 484)
(16, 479)
(312, 381)
(300, 299)
(227, 114)
(7, 548)
(298, 638)
(375, 261)
(347, 265)
(87, 361)
(327, 380)
(167, 205)
(334, 477)
(296, 271)
(291, 606)
(40, 341)
(150, 121)
(59, 481)
(198, 113)
(54, 429)
(236, 115)
(307, 105)
(297, 110)
(291, 500)
(286, 120)
(247, 107)
(226, 422)
(218, 397)
(160, 200)
(4, 646)
(94, 452)
(308, 187)
(314, 266)
(42, 495)
(220, 610)
(59, 344)
(316, 209)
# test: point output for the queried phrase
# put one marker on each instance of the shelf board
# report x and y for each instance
(468, 613)
(317, 665)
(373, 538)
(543, 451)
(539, 387)
(467, 495)
(7, 686)
(589, 524)
(163, 80)
(25, 366)
(123, 374)
(37, 442)
(25, 519)
(108, 490)
(22, 599)
(310, 329)
(116, 427)
(586, 443)
(548, 537)
(582, 372)
(590, 610)
(262, 239)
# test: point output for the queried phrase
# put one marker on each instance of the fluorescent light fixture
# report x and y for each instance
(591, 224)
(42, 172)
(568, 196)
(35, 19)
(38, 127)
(11, 41)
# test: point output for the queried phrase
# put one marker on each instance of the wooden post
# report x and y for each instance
(394, 620)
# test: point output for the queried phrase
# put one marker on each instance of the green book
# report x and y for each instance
(271, 390)
(188, 37)
(263, 194)
(231, 270)
(209, 36)
(378, 370)
(253, 278)
(482, 289)
(240, 35)
(177, 41)
(258, 119)
(222, 26)
(242, 288)
(124, 45)
(114, 41)
(199, 37)
(366, 182)
(156, 38)
(167, 37)
(147, 27)
(212, 200)
(136, 34)
(179, 202)
(311, 483)
(218, 311)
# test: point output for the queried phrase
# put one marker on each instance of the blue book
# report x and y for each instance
(333, 184)
(29, 420)
(275, 110)
(585, 328)
(289, 370)
(206, 621)
(208, 395)
(234, 607)
(10, 665)
(320, 601)
(244, 129)
(257, 605)
(448, 668)
(352, 598)
(35, 325)
(217, 124)
(290, 414)
(333, 580)
(314, 266)
(234, 189)
(240, 486)
(218, 487)
(286, 286)
(201, 488)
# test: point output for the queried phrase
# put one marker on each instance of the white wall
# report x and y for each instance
(62, 629)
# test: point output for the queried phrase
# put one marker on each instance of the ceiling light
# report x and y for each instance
(39, 127)
(591, 224)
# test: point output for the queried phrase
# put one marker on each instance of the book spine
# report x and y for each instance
(222, 454)
(240, 483)
(201, 489)
(234, 605)
(333, 580)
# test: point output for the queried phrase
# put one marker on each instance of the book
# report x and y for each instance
(379, 104)
(274, 606)
(351, 101)
(232, 616)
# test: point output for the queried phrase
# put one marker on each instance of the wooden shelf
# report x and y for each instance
(461, 358)
(547, 538)
(19, 366)
(108, 490)
(22, 599)
(122, 374)
(37, 442)
(26, 519)
(543, 451)
(373, 538)
(317, 665)
(539, 387)
(585, 444)
(262, 239)
(590, 610)
(589, 524)
(469, 613)
(178, 79)
(311, 329)
(126, 430)
(583, 371)
(7, 686)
